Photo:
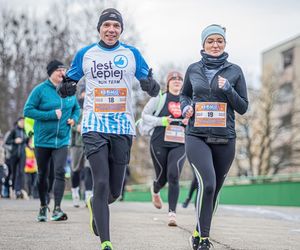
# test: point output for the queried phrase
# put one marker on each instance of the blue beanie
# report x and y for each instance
(212, 29)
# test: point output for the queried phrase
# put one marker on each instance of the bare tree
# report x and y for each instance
(6, 63)
(273, 146)
(244, 159)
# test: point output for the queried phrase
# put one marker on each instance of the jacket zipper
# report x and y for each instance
(209, 84)
(57, 130)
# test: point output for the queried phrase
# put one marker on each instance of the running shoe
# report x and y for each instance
(92, 221)
(58, 215)
(107, 248)
(156, 200)
(87, 195)
(5, 192)
(19, 195)
(42, 216)
(205, 244)
(75, 197)
(194, 242)
(106, 245)
(172, 219)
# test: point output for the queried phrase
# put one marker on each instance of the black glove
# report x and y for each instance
(150, 85)
(67, 87)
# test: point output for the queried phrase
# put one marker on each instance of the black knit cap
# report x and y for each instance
(110, 14)
(54, 65)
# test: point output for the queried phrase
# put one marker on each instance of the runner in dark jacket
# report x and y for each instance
(17, 139)
(214, 89)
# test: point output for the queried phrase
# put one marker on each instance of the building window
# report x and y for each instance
(286, 121)
(285, 93)
(288, 57)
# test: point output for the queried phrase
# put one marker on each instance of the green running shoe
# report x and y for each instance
(42, 216)
(92, 221)
(107, 248)
(58, 215)
(106, 245)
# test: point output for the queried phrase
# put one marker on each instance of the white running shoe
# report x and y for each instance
(75, 197)
(172, 219)
(87, 195)
(156, 200)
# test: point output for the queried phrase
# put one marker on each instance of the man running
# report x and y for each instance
(110, 68)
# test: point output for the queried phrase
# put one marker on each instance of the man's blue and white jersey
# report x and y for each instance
(109, 75)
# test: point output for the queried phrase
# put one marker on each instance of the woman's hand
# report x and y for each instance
(223, 83)
(185, 121)
(169, 119)
(18, 140)
(78, 128)
(58, 113)
(189, 112)
(71, 122)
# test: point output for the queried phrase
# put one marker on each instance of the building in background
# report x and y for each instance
(281, 85)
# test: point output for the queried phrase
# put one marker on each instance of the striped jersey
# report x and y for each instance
(109, 75)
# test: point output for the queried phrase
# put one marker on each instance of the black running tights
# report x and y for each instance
(211, 163)
(59, 158)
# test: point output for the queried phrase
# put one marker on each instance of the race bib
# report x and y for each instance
(174, 133)
(210, 114)
(110, 100)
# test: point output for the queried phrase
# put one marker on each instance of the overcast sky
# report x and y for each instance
(171, 29)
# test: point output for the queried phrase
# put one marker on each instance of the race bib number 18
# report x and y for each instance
(210, 114)
(110, 100)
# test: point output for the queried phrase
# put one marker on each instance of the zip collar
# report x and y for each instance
(106, 47)
(49, 83)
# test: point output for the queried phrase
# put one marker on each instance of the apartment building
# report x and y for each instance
(281, 82)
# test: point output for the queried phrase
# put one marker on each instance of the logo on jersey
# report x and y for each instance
(121, 61)
(106, 72)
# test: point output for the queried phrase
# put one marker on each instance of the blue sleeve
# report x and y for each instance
(141, 65)
(31, 107)
(75, 72)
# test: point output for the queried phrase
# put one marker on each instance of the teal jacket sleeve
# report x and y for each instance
(31, 107)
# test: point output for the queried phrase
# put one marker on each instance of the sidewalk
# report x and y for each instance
(139, 226)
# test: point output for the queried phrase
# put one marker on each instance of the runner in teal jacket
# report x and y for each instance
(53, 118)
(49, 131)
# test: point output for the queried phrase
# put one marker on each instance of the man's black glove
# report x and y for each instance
(67, 87)
(150, 85)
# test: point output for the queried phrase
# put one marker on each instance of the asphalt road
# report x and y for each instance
(139, 226)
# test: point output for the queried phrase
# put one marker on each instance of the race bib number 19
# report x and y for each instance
(210, 114)
(110, 100)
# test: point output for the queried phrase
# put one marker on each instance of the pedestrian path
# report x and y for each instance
(139, 226)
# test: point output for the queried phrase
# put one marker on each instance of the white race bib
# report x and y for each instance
(110, 100)
(210, 114)
(174, 133)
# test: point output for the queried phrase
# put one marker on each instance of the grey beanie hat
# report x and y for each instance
(212, 29)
